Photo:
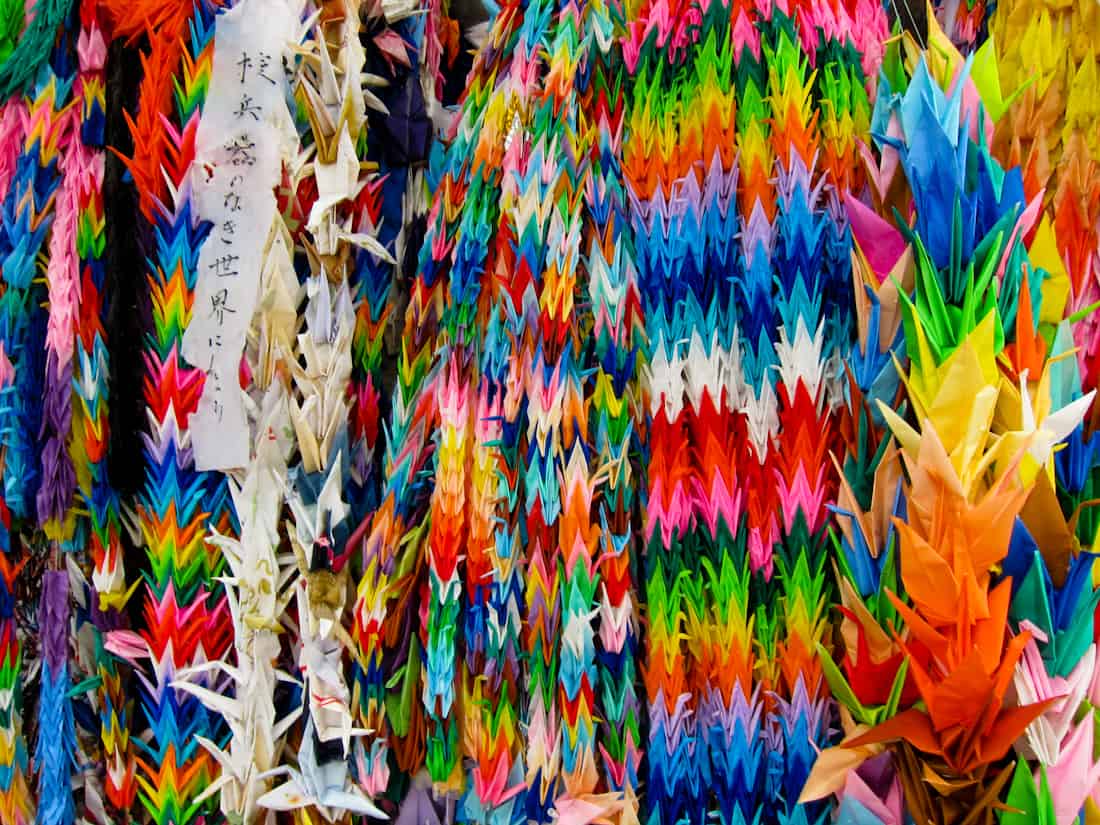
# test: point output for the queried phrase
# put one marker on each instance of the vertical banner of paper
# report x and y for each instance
(239, 146)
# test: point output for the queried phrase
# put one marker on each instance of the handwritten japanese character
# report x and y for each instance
(242, 151)
(225, 266)
(248, 106)
(219, 305)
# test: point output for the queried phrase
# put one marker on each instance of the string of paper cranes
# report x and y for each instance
(589, 412)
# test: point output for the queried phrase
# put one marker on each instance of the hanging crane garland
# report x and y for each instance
(692, 420)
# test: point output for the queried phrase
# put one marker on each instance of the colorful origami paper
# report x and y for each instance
(678, 412)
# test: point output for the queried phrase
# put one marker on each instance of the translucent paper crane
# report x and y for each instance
(318, 783)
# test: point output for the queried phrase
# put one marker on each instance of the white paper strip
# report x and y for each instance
(245, 131)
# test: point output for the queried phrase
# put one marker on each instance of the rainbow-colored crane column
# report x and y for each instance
(186, 619)
(91, 385)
